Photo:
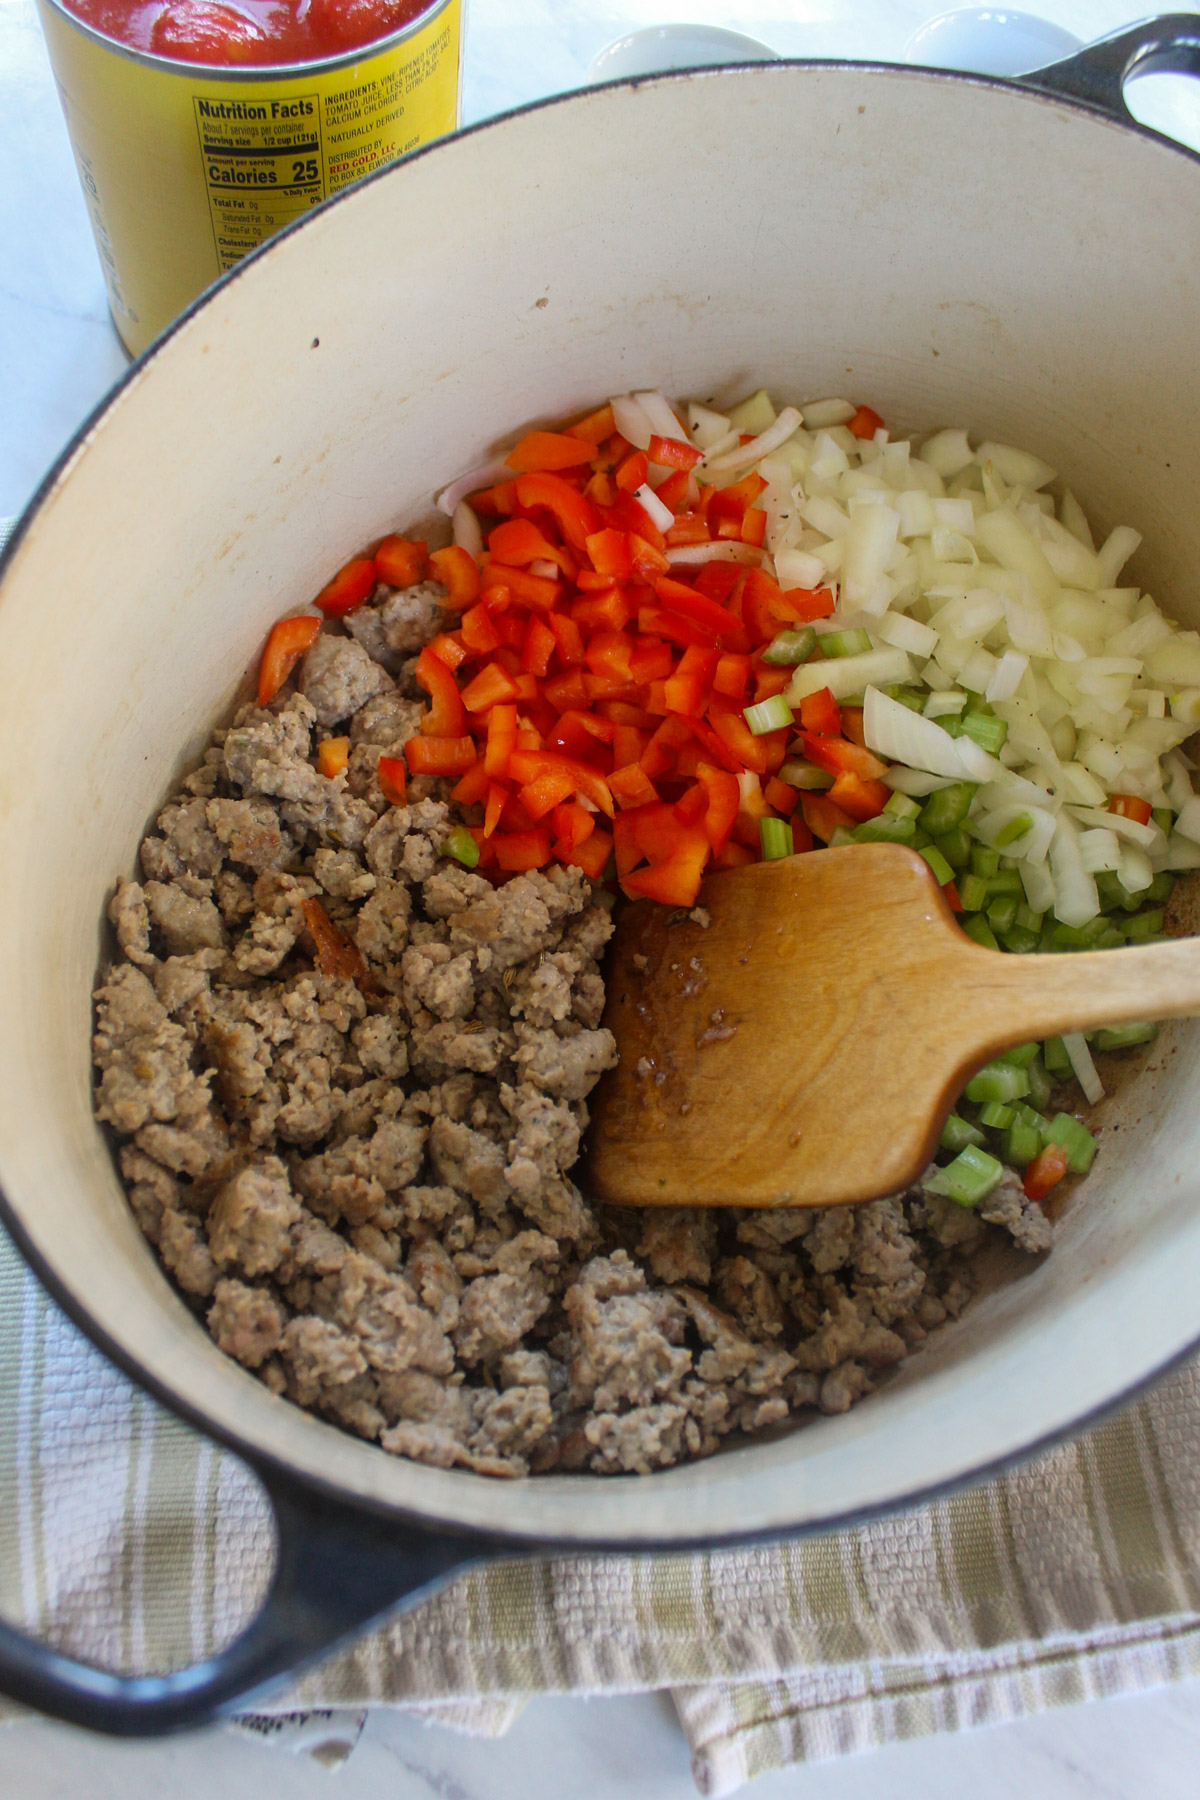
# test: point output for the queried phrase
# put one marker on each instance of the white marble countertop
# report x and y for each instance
(58, 355)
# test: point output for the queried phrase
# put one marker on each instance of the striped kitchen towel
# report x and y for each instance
(126, 1539)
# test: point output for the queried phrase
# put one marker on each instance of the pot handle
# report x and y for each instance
(1097, 74)
(336, 1570)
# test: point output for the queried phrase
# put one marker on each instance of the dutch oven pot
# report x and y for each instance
(1016, 257)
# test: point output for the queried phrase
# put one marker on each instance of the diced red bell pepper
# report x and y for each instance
(630, 474)
(601, 489)
(567, 691)
(501, 499)
(632, 787)
(498, 796)
(732, 676)
(1045, 1171)
(751, 752)
(337, 954)
(675, 881)
(769, 681)
(719, 580)
(518, 542)
(472, 787)
(525, 766)
(628, 514)
(393, 780)
(806, 604)
(953, 900)
(576, 515)
(648, 561)
(487, 849)
(862, 799)
(820, 712)
(501, 740)
(780, 797)
(698, 609)
(607, 611)
(581, 735)
(479, 632)
(629, 744)
(622, 712)
(493, 686)
(660, 754)
(866, 422)
(539, 451)
(823, 817)
(401, 561)
(591, 856)
(1130, 806)
(348, 589)
(692, 804)
(596, 426)
(609, 553)
(661, 623)
(754, 526)
(573, 825)
(446, 717)
(852, 725)
(439, 755)
(610, 653)
(651, 659)
(733, 856)
(458, 572)
(673, 453)
(538, 647)
(522, 849)
(530, 590)
(288, 641)
(724, 797)
(673, 492)
(689, 527)
(332, 756)
(449, 648)
(568, 637)
(841, 757)
(548, 789)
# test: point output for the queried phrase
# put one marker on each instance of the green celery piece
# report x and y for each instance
(1123, 1037)
(903, 805)
(968, 1179)
(1016, 828)
(462, 847)
(947, 807)
(1163, 817)
(1110, 939)
(1040, 1084)
(1075, 1139)
(768, 715)
(996, 1116)
(1029, 1115)
(977, 927)
(951, 724)
(1079, 937)
(885, 829)
(955, 846)
(1054, 1055)
(972, 891)
(1019, 941)
(1145, 926)
(841, 836)
(958, 1132)
(985, 862)
(989, 734)
(921, 839)
(1003, 883)
(1021, 1055)
(1002, 915)
(791, 647)
(909, 697)
(942, 872)
(1111, 893)
(1161, 888)
(998, 1081)
(1021, 1144)
(844, 643)
(1028, 920)
(775, 836)
(805, 775)
(1049, 927)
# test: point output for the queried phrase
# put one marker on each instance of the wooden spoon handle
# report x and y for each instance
(1041, 996)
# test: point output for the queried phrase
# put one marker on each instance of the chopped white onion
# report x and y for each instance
(661, 414)
(758, 447)
(1007, 677)
(1144, 836)
(1100, 849)
(706, 426)
(799, 569)
(846, 676)
(632, 421)
(720, 550)
(892, 730)
(486, 475)
(916, 783)
(661, 514)
(1135, 871)
(820, 415)
(948, 452)
(907, 634)
(468, 533)
(1075, 1045)
(1016, 468)
(1188, 822)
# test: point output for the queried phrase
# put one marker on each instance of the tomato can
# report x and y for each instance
(186, 167)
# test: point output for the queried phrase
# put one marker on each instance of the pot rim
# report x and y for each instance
(283, 1471)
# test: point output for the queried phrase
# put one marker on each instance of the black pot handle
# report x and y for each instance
(337, 1569)
(1097, 74)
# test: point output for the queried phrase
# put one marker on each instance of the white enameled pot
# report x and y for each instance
(1019, 259)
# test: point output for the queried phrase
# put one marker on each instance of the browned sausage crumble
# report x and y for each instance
(363, 1186)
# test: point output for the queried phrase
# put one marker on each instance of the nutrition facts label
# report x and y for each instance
(263, 166)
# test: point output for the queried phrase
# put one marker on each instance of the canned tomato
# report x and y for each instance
(187, 165)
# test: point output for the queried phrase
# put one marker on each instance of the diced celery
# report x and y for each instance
(886, 828)
(775, 836)
(1075, 1139)
(844, 643)
(1021, 1144)
(996, 1116)
(903, 806)
(1021, 1055)
(977, 927)
(1016, 828)
(1019, 941)
(1002, 915)
(805, 775)
(768, 715)
(1110, 939)
(791, 647)
(1005, 882)
(1078, 937)
(1164, 818)
(921, 839)
(968, 1179)
(998, 1081)
(1027, 919)
(841, 836)
(1144, 926)
(909, 697)
(958, 1132)
(942, 872)
(1123, 1037)
(947, 807)
(955, 846)
(989, 734)
(972, 891)
(1054, 1055)
(1161, 888)
(462, 847)
(951, 724)
(1040, 1084)
(1029, 1115)
(985, 862)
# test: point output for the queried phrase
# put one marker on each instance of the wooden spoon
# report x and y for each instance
(806, 1047)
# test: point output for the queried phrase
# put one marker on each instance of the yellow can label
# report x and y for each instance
(183, 172)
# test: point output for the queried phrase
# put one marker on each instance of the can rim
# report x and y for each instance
(244, 72)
